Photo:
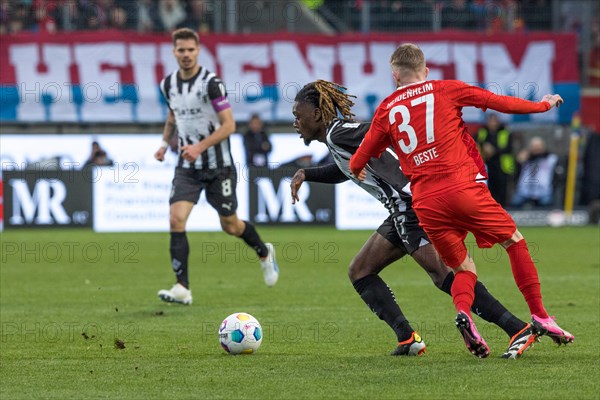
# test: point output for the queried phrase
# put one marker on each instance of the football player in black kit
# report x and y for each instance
(316, 110)
(201, 114)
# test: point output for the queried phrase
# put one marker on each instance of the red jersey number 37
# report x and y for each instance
(400, 116)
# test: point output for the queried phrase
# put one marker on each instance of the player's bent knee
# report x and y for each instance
(358, 270)
(233, 228)
(438, 279)
(176, 223)
(515, 238)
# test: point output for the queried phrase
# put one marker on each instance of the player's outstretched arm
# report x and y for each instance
(468, 95)
(328, 173)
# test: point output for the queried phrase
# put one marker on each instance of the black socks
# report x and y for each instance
(180, 250)
(252, 239)
(380, 299)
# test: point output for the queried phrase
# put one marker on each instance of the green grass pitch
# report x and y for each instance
(66, 296)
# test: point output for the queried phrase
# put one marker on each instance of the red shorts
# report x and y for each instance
(448, 218)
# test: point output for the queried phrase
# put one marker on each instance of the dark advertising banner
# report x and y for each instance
(47, 198)
(271, 199)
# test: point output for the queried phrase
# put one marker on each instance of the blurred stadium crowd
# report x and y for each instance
(344, 15)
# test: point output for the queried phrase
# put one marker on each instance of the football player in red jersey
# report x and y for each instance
(423, 122)
(316, 110)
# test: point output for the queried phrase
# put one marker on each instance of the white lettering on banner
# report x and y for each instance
(465, 67)
(144, 61)
(238, 79)
(44, 85)
(102, 87)
(438, 53)
(277, 206)
(369, 87)
(531, 79)
(43, 72)
(207, 59)
(293, 71)
(167, 60)
(47, 198)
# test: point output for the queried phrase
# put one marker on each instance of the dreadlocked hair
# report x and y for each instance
(329, 97)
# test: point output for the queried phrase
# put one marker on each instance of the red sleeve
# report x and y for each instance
(467, 95)
(473, 152)
(375, 142)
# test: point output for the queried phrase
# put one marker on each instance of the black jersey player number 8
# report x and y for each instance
(226, 187)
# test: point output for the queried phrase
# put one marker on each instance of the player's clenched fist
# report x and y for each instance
(553, 99)
(160, 154)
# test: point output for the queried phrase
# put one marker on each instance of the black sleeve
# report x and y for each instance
(329, 173)
(216, 89)
(165, 88)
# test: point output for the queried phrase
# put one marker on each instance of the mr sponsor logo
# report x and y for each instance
(32, 199)
(271, 199)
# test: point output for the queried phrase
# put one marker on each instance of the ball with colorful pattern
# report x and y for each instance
(240, 333)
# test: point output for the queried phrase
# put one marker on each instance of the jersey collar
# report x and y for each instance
(409, 84)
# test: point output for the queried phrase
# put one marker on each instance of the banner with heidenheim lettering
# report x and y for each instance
(113, 76)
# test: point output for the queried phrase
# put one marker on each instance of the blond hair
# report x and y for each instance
(408, 58)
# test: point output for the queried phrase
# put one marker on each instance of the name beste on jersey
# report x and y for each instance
(430, 154)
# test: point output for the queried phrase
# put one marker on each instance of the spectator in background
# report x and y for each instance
(148, 19)
(98, 157)
(118, 18)
(14, 17)
(44, 13)
(96, 14)
(198, 19)
(171, 13)
(458, 14)
(536, 180)
(256, 143)
(594, 63)
(69, 16)
(5, 17)
(590, 181)
(496, 147)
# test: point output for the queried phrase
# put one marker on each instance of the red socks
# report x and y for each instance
(463, 291)
(526, 277)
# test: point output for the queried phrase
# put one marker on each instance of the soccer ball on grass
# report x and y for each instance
(240, 333)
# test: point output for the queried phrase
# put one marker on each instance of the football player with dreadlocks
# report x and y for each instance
(316, 109)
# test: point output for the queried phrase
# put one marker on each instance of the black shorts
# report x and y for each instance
(403, 231)
(220, 186)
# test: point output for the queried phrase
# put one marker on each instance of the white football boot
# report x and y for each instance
(177, 294)
(269, 266)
